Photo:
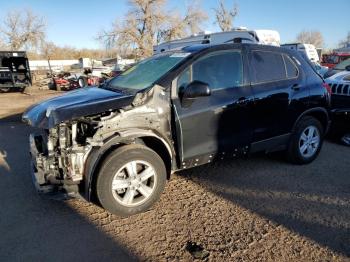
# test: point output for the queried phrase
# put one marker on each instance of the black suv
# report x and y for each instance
(119, 143)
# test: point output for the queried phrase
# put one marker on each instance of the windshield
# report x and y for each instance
(147, 72)
(342, 65)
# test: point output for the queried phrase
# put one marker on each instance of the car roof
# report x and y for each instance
(202, 47)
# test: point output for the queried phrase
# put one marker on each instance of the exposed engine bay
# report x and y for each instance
(59, 154)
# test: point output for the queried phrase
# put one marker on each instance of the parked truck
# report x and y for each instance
(14, 71)
(338, 56)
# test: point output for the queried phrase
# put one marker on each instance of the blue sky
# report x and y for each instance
(76, 22)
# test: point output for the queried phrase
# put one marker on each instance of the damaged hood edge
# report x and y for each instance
(75, 104)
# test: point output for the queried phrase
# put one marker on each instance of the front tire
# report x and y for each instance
(306, 141)
(131, 180)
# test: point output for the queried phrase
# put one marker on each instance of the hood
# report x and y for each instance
(75, 104)
(340, 84)
(341, 77)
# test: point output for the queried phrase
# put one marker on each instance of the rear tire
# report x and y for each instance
(131, 180)
(52, 85)
(5, 89)
(82, 81)
(306, 141)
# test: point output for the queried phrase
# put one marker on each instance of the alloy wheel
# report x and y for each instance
(309, 141)
(134, 183)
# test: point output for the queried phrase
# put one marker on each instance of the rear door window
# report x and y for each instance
(267, 67)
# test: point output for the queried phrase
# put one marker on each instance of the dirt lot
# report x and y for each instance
(260, 208)
(15, 103)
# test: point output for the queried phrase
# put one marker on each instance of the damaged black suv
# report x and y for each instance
(118, 143)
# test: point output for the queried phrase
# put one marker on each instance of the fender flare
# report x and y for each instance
(121, 137)
(315, 110)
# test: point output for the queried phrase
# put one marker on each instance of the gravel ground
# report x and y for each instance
(260, 208)
(15, 103)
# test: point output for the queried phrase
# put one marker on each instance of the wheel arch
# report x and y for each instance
(97, 155)
(320, 113)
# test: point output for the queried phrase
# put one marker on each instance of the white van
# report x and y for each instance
(308, 49)
(237, 35)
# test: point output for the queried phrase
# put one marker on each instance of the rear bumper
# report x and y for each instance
(13, 85)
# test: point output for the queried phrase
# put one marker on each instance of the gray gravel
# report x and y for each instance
(260, 208)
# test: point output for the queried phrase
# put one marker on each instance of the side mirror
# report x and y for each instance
(196, 89)
(347, 68)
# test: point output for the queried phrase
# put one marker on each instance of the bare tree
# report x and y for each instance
(178, 26)
(51, 51)
(147, 23)
(310, 37)
(224, 16)
(23, 29)
(140, 28)
(345, 42)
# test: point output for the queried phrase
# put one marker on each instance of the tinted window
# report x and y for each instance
(292, 70)
(220, 70)
(267, 66)
(184, 78)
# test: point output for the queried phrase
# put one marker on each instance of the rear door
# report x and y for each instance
(216, 124)
(276, 82)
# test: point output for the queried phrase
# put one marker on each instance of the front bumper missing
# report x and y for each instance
(39, 177)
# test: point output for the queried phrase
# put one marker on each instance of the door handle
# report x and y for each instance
(296, 87)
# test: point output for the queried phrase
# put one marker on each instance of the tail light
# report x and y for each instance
(328, 88)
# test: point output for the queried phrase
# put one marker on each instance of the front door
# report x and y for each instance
(218, 124)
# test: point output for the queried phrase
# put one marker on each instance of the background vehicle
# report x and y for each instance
(173, 111)
(338, 68)
(308, 49)
(340, 84)
(14, 71)
(335, 58)
(63, 81)
(238, 35)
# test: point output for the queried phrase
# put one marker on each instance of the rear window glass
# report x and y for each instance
(267, 67)
(292, 70)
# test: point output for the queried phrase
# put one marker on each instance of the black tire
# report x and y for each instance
(294, 154)
(5, 89)
(82, 81)
(114, 162)
(52, 85)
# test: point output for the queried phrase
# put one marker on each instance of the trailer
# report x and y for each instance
(237, 35)
(14, 71)
(308, 49)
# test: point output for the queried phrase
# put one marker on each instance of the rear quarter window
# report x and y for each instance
(267, 66)
(291, 68)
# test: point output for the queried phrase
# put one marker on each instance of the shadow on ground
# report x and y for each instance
(36, 229)
(308, 200)
(11, 118)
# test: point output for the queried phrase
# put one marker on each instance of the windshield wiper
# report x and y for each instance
(124, 91)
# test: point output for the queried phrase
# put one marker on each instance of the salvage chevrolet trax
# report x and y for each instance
(117, 144)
